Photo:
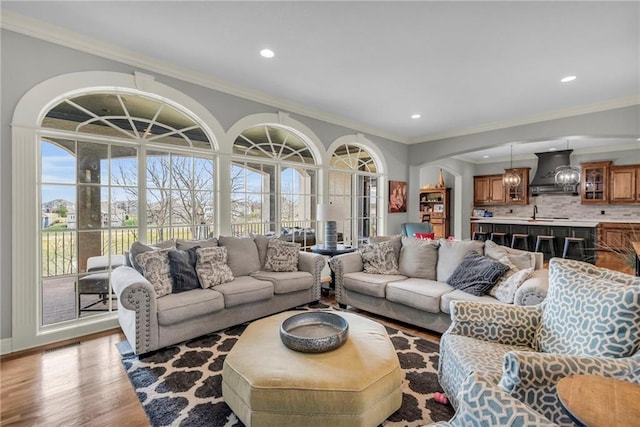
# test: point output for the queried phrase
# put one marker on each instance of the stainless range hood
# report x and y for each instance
(544, 180)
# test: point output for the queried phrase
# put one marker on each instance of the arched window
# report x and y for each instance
(116, 166)
(273, 184)
(354, 182)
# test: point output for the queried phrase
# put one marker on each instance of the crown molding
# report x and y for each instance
(44, 31)
(610, 104)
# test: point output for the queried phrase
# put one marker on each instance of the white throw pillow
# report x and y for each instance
(506, 287)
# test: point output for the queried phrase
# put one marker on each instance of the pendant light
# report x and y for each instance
(511, 178)
(567, 174)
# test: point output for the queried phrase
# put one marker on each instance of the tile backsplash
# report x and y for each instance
(567, 207)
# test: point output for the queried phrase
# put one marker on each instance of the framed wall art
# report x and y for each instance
(397, 196)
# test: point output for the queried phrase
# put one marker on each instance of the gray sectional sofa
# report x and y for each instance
(418, 293)
(150, 321)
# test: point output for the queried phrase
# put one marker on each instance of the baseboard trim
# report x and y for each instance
(6, 346)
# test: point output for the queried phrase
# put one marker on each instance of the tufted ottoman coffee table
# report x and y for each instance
(357, 384)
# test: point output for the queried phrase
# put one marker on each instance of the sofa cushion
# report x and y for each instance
(182, 265)
(521, 259)
(187, 244)
(212, 266)
(176, 308)
(282, 256)
(379, 258)
(138, 247)
(262, 244)
(476, 274)
(242, 252)
(605, 312)
(285, 282)
(369, 284)
(458, 295)
(418, 293)
(245, 289)
(418, 258)
(450, 254)
(155, 268)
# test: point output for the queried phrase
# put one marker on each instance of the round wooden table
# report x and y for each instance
(600, 401)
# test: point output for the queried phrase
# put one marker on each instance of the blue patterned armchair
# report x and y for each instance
(588, 324)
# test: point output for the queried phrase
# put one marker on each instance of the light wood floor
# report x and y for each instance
(83, 383)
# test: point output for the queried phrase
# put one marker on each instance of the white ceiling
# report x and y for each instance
(463, 66)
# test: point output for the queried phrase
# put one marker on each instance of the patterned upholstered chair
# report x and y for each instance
(588, 324)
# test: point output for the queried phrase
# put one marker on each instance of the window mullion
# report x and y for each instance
(142, 193)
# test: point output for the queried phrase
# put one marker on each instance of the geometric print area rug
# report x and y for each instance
(181, 385)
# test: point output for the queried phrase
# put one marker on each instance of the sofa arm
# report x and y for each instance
(501, 323)
(534, 290)
(137, 309)
(532, 377)
(314, 264)
(482, 403)
(341, 265)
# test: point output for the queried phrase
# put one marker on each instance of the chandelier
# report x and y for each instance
(511, 178)
(567, 174)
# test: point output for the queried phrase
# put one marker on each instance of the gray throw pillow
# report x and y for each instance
(138, 247)
(451, 253)
(282, 256)
(477, 274)
(243, 258)
(379, 258)
(182, 265)
(418, 258)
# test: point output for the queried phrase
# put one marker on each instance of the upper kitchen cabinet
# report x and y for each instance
(518, 195)
(624, 184)
(595, 183)
(488, 190)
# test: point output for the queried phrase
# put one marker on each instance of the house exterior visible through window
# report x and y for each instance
(354, 182)
(273, 184)
(116, 167)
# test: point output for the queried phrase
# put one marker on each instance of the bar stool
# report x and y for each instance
(578, 241)
(550, 242)
(519, 236)
(499, 237)
(480, 235)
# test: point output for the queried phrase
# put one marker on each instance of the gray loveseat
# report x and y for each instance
(151, 322)
(419, 294)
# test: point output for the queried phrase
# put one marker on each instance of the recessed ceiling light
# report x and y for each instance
(552, 149)
(485, 157)
(267, 53)
(415, 116)
(568, 79)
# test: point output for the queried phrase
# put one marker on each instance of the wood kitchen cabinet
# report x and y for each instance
(624, 184)
(595, 183)
(488, 190)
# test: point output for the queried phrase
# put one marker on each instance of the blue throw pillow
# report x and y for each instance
(477, 274)
(182, 265)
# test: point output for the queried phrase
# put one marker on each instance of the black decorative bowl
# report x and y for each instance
(314, 331)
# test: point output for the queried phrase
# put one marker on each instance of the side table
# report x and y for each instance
(331, 252)
(600, 401)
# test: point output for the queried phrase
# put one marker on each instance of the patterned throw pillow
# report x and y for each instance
(155, 267)
(138, 247)
(379, 258)
(476, 274)
(282, 256)
(507, 285)
(212, 267)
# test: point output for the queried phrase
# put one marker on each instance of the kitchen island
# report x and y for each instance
(547, 226)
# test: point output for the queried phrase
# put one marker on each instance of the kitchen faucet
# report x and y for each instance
(535, 211)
